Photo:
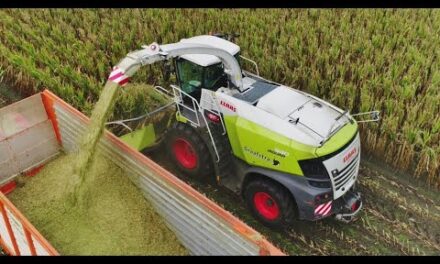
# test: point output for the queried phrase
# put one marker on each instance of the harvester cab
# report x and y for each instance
(288, 154)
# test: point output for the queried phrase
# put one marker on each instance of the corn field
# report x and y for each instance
(360, 60)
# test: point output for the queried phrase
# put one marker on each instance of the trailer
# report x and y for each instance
(37, 129)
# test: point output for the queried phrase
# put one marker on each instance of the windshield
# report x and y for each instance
(190, 75)
(193, 77)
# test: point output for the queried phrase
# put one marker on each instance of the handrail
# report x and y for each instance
(163, 91)
(253, 62)
(160, 90)
(122, 121)
(373, 114)
(196, 110)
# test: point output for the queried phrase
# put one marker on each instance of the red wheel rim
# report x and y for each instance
(266, 205)
(185, 153)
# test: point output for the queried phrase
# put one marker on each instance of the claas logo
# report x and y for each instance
(228, 105)
(349, 154)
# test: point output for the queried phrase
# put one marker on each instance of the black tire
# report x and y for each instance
(278, 197)
(204, 168)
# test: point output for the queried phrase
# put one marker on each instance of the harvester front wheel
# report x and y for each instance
(270, 203)
(189, 152)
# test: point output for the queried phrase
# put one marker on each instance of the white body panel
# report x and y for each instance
(288, 104)
(247, 82)
(318, 117)
(265, 119)
(205, 59)
(279, 108)
(282, 101)
(206, 100)
(344, 167)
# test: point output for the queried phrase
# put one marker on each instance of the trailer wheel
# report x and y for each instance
(189, 152)
(270, 203)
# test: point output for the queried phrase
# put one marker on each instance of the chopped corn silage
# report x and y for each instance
(117, 221)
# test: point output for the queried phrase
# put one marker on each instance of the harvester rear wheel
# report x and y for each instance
(188, 151)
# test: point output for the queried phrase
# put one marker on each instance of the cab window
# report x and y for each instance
(190, 75)
(213, 75)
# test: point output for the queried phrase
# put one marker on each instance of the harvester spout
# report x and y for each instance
(155, 52)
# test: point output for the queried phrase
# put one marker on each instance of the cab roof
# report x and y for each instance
(205, 59)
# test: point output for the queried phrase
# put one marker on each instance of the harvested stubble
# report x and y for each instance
(117, 221)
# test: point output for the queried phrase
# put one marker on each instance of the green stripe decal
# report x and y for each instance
(338, 140)
(262, 147)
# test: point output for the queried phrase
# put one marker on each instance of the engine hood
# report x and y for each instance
(306, 113)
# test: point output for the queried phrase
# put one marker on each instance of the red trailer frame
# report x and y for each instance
(230, 223)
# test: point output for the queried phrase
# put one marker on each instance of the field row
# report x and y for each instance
(360, 60)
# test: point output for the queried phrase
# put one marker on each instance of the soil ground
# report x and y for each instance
(400, 216)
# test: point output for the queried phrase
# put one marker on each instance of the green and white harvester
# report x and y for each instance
(288, 154)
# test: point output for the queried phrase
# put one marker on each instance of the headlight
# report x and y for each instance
(314, 168)
(315, 172)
